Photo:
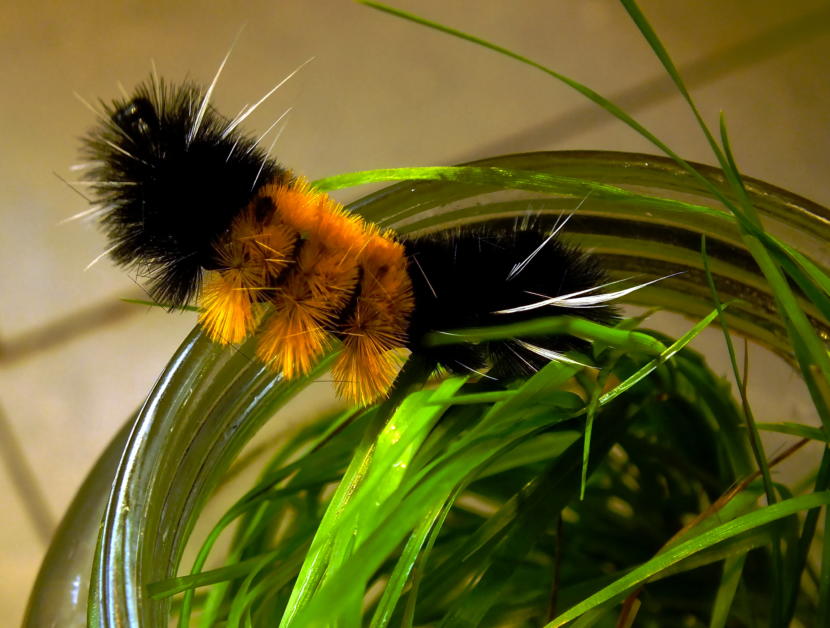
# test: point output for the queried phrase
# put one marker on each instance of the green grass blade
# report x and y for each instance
(806, 540)
(314, 568)
(419, 570)
(407, 560)
(622, 339)
(795, 429)
(499, 178)
(814, 283)
(733, 568)
(662, 54)
(823, 618)
(171, 586)
(736, 182)
(754, 438)
(665, 355)
(808, 347)
(679, 552)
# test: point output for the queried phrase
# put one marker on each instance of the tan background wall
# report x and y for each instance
(380, 93)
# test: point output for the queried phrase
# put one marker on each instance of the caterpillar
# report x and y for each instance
(201, 213)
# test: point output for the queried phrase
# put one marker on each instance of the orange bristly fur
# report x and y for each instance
(306, 306)
(297, 204)
(311, 284)
(227, 312)
(377, 327)
(251, 254)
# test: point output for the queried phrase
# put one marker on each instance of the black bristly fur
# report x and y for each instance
(459, 279)
(168, 198)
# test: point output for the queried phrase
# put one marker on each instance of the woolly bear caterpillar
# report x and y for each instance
(195, 206)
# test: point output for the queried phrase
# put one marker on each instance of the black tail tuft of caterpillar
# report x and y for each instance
(461, 278)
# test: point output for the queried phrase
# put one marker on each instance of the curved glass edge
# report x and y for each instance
(115, 565)
(207, 404)
(59, 595)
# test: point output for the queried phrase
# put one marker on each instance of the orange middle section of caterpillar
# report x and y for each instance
(327, 273)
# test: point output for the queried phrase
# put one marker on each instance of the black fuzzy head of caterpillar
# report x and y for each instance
(170, 175)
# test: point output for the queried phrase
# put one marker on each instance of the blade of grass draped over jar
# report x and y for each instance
(511, 179)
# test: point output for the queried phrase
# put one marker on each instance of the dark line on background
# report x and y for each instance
(66, 328)
(25, 483)
(633, 99)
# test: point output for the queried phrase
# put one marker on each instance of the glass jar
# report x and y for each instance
(149, 487)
